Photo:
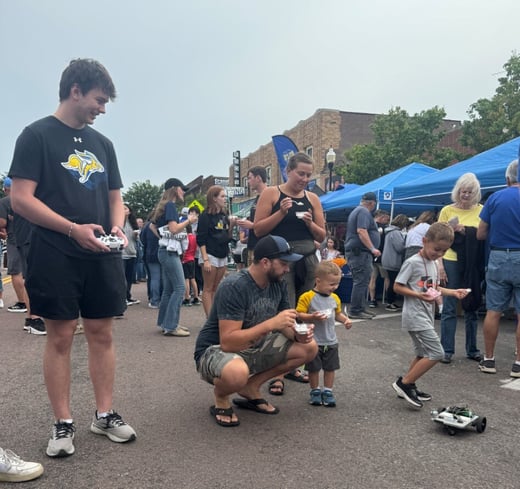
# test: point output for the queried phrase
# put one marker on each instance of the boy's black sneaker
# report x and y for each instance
(186, 303)
(18, 307)
(422, 396)
(407, 392)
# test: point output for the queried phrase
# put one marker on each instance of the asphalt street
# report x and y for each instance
(372, 439)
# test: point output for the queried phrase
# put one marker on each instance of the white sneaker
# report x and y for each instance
(1, 303)
(14, 469)
(61, 443)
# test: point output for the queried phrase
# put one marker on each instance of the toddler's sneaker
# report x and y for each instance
(61, 443)
(114, 427)
(315, 399)
(328, 399)
(14, 469)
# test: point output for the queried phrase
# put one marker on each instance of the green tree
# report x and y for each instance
(142, 197)
(399, 139)
(496, 120)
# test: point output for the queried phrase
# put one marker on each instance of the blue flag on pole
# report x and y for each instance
(284, 148)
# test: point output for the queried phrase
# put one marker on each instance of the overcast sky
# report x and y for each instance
(199, 79)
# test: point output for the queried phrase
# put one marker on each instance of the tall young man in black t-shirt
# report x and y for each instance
(67, 183)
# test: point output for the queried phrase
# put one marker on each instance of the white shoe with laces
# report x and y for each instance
(14, 469)
(61, 443)
(113, 427)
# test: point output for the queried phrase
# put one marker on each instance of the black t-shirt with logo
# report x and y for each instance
(74, 169)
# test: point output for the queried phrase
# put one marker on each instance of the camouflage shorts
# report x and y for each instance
(272, 351)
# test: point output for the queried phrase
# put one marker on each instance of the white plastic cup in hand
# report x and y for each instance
(327, 313)
(302, 328)
(300, 214)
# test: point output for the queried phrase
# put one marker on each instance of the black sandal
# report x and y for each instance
(216, 411)
(276, 387)
(298, 376)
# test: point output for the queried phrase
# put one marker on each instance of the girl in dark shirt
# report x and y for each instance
(213, 236)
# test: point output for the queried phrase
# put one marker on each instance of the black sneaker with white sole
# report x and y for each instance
(36, 326)
(515, 370)
(487, 366)
(422, 396)
(18, 307)
(407, 392)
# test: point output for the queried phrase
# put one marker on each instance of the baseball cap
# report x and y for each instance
(275, 247)
(7, 182)
(369, 196)
(175, 182)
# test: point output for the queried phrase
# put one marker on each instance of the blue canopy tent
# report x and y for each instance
(342, 189)
(339, 204)
(435, 190)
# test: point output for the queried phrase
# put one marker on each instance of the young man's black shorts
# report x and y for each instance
(62, 287)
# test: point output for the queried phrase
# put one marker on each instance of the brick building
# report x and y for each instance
(325, 129)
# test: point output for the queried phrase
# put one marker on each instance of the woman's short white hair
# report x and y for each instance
(470, 182)
(511, 172)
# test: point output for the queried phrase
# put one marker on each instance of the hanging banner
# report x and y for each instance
(284, 148)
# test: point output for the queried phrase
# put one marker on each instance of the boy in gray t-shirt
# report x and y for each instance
(418, 283)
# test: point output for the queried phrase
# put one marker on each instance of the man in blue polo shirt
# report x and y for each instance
(500, 224)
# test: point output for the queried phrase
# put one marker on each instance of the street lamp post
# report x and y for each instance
(331, 159)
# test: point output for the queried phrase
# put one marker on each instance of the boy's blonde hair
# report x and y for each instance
(440, 231)
(326, 268)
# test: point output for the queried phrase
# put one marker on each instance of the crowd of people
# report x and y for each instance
(273, 319)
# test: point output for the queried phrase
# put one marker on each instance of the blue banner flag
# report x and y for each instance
(284, 148)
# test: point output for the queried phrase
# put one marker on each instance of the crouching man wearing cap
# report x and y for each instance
(249, 336)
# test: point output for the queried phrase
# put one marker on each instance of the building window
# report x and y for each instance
(308, 151)
(268, 174)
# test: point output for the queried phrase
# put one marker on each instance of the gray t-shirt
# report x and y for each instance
(239, 298)
(418, 273)
(324, 330)
(7, 213)
(360, 218)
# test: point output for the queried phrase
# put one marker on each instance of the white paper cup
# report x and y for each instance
(300, 214)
